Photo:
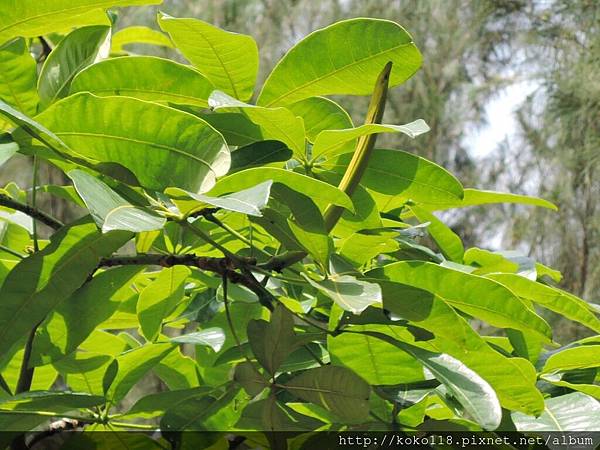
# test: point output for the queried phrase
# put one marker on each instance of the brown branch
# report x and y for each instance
(35, 213)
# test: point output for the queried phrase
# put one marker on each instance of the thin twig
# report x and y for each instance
(11, 251)
(26, 373)
(35, 213)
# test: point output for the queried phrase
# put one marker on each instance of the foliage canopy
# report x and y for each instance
(265, 260)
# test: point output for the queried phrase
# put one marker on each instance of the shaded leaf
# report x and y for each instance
(250, 379)
(259, 154)
(350, 293)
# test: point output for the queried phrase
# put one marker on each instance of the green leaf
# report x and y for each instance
(393, 177)
(350, 293)
(473, 197)
(329, 68)
(322, 193)
(480, 297)
(376, 361)
(161, 146)
(259, 154)
(279, 124)
(32, 18)
(76, 51)
(18, 76)
(159, 298)
(474, 394)
(111, 211)
(138, 35)
(228, 60)
(211, 337)
(551, 298)
(41, 281)
(59, 402)
(447, 240)
(132, 366)
(307, 224)
(7, 150)
(569, 413)
(237, 129)
(250, 379)
(147, 78)
(154, 405)
(272, 341)
(178, 371)
(330, 143)
(581, 357)
(249, 201)
(76, 317)
(337, 389)
(320, 113)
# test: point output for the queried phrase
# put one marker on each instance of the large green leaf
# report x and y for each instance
(178, 371)
(40, 282)
(554, 299)
(330, 143)
(279, 124)
(7, 150)
(376, 361)
(337, 389)
(272, 341)
(18, 77)
(111, 211)
(329, 68)
(228, 60)
(50, 401)
(568, 413)
(447, 240)
(475, 295)
(473, 197)
(161, 146)
(132, 366)
(210, 337)
(474, 394)
(322, 193)
(76, 317)
(147, 78)
(155, 405)
(237, 129)
(76, 51)
(159, 298)
(138, 35)
(320, 113)
(581, 357)
(394, 177)
(32, 18)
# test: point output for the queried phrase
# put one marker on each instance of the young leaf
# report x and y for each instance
(19, 77)
(567, 413)
(40, 282)
(161, 146)
(138, 35)
(159, 298)
(147, 78)
(473, 197)
(228, 60)
(272, 341)
(330, 143)
(337, 389)
(329, 68)
(76, 51)
(279, 124)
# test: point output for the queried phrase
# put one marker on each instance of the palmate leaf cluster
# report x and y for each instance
(206, 256)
